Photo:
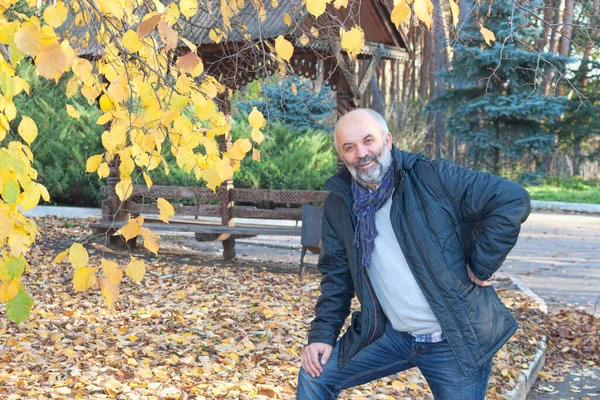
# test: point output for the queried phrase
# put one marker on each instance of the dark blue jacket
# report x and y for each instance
(445, 217)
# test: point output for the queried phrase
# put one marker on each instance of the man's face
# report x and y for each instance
(366, 152)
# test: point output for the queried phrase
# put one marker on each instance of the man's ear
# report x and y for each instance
(388, 140)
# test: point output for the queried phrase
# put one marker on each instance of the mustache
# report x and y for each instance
(365, 160)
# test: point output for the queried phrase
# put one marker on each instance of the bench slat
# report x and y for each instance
(202, 209)
(240, 230)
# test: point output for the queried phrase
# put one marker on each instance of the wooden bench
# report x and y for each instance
(226, 204)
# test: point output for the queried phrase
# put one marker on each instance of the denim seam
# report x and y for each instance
(369, 372)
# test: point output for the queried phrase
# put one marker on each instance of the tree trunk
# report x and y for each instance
(565, 40)
(376, 100)
(584, 66)
(413, 72)
(426, 54)
(406, 74)
(548, 12)
(556, 17)
(440, 66)
(577, 155)
(567, 33)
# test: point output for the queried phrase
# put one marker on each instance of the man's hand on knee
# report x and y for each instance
(310, 358)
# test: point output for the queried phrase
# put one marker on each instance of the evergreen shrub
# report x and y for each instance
(63, 144)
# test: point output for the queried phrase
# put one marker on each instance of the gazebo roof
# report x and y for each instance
(246, 25)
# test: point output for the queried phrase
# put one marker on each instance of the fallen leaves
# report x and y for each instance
(185, 331)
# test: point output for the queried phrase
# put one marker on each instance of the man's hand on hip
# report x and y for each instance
(310, 358)
(476, 281)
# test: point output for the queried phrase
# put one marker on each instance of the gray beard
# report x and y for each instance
(375, 173)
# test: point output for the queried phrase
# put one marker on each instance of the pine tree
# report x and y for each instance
(495, 101)
(301, 111)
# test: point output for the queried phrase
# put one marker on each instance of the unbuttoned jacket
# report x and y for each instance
(444, 217)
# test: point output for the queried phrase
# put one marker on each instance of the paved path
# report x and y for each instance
(558, 257)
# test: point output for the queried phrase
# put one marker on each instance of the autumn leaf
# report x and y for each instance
(148, 24)
(110, 291)
(166, 210)
(103, 170)
(78, 255)
(136, 269)
(132, 228)
(316, 7)
(168, 35)
(20, 306)
(11, 191)
(455, 11)
(191, 64)
(401, 13)
(51, 61)
(29, 38)
(488, 35)
(150, 240)
(14, 266)
(284, 48)
(8, 290)
(131, 41)
(56, 14)
(28, 130)
(423, 11)
(188, 8)
(61, 256)
(256, 118)
(111, 271)
(353, 40)
(84, 278)
(124, 189)
(92, 163)
(73, 113)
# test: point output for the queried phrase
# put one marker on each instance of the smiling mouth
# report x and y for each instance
(367, 165)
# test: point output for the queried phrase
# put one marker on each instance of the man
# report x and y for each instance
(415, 240)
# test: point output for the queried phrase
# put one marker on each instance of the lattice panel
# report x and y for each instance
(175, 192)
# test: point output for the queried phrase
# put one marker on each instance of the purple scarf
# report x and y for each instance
(366, 204)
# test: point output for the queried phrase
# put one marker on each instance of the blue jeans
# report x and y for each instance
(392, 353)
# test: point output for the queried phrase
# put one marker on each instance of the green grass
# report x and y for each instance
(574, 190)
(553, 193)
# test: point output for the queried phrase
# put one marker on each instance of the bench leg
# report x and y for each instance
(228, 249)
(302, 262)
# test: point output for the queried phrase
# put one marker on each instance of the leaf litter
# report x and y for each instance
(190, 330)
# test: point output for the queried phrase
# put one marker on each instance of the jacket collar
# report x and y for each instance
(340, 183)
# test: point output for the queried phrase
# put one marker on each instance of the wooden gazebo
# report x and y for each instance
(247, 55)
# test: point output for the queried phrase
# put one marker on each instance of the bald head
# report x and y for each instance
(351, 117)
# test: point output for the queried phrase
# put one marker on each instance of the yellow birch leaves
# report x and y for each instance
(257, 121)
(86, 277)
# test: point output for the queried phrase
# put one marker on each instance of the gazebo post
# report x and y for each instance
(345, 103)
(226, 189)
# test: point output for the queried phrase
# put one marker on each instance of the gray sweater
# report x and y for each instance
(395, 286)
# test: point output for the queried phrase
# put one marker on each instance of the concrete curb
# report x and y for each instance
(574, 207)
(529, 376)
